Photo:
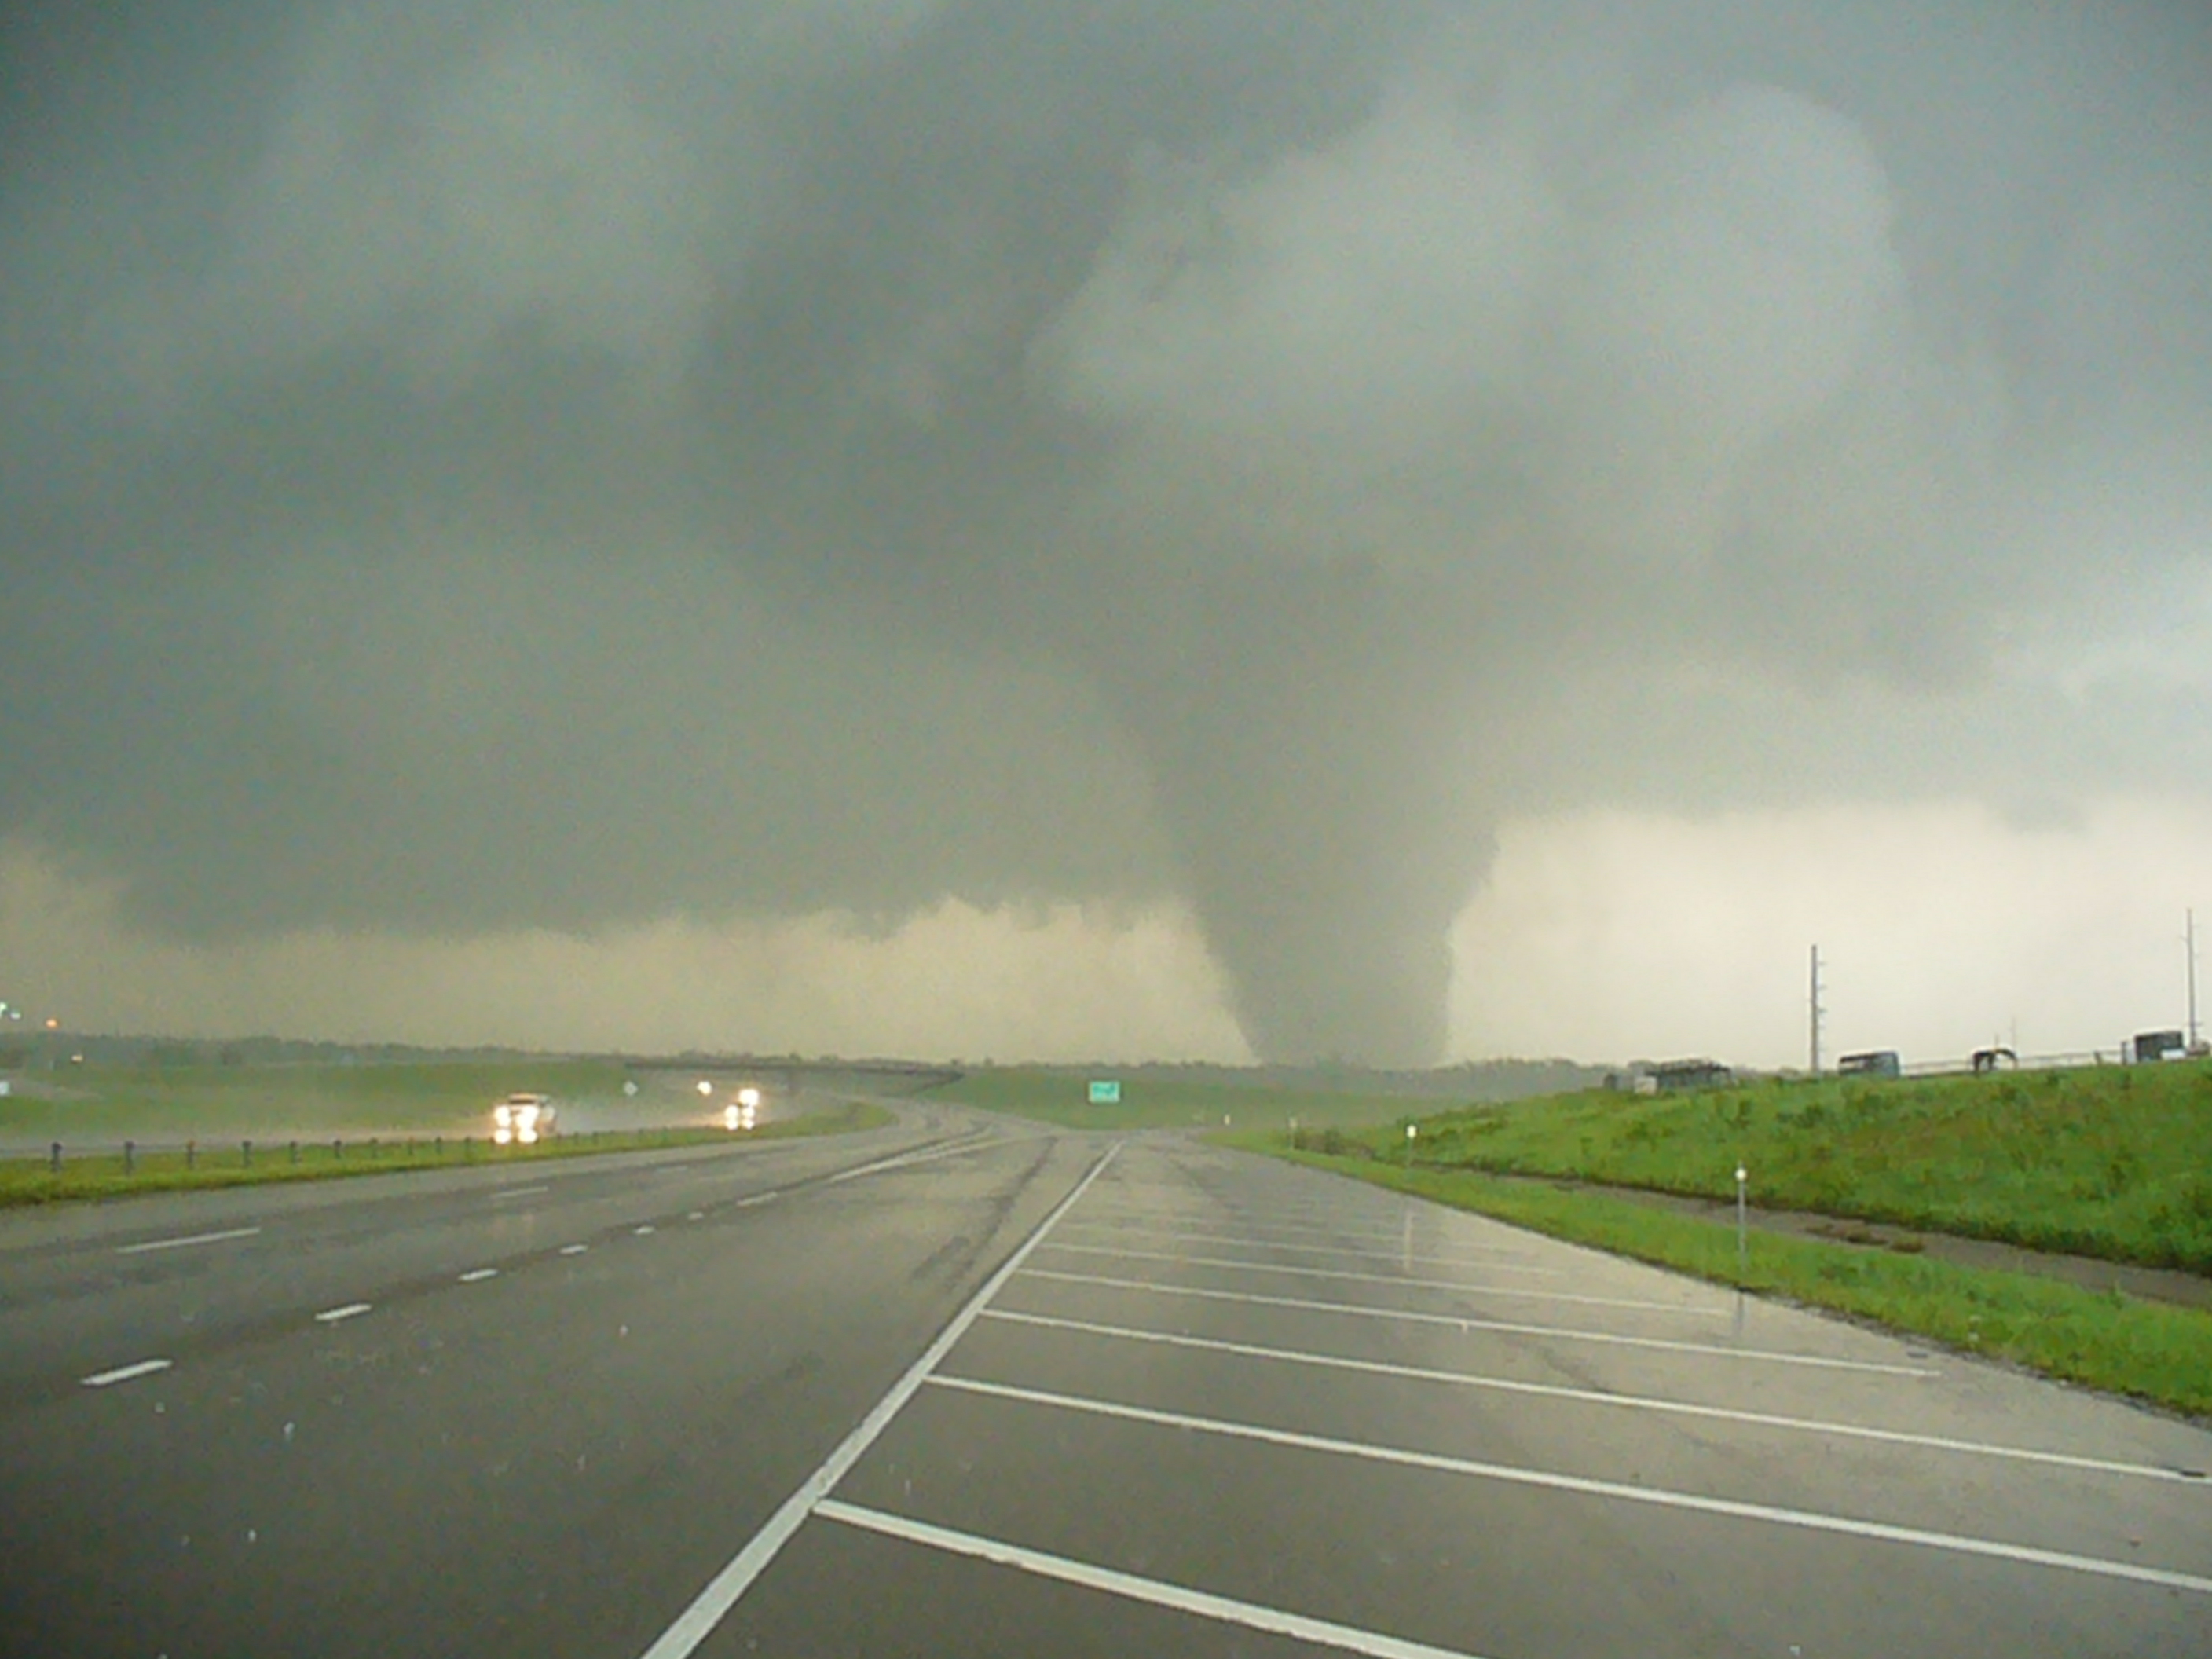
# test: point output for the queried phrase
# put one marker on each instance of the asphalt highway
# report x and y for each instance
(966, 1387)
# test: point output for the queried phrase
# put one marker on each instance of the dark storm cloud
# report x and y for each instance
(541, 464)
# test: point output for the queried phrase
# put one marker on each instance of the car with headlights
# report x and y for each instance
(522, 1119)
(743, 1111)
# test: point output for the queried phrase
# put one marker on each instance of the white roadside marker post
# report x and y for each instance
(1411, 1131)
(1742, 1247)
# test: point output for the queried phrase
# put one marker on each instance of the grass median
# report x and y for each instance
(245, 1162)
(2146, 1351)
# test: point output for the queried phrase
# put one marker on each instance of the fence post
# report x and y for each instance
(54, 1159)
(295, 1152)
(244, 1154)
(191, 1154)
(338, 1149)
(128, 1148)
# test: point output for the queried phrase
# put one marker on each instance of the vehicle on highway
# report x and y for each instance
(743, 1111)
(1874, 1062)
(522, 1119)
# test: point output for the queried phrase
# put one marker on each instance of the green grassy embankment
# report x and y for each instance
(1053, 1096)
(2109, 1161)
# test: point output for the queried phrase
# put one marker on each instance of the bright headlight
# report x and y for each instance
(502, 1116)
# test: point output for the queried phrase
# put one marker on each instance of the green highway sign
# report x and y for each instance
(1105, 1092)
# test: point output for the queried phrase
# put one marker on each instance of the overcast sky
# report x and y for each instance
(1293, 527)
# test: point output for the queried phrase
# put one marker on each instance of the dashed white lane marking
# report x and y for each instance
(757, 1198)
(1406, 1280)
(477, 1275)
(352, 1309)
(1470, 1322)
(1319, 1632)
(1487, 1264)
(1599, 1397)
(645, 1231)
(125, 1373)
(188, 1239)
(518, 1192)
(696, 1622)
(1773, 1515)
(696, 1215)
(907, 1159)
(573, 1250)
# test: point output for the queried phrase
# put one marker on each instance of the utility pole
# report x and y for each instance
(1817, 1010)
(2190, 936)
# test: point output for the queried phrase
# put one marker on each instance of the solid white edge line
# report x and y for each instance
(1599, 1397)
(478, 1275)
(1274, 1621)
(1166, 1220)
(1409, 1282)
(190, 1238)
(1565, 1333)
(697, 1621)
(1513, 1265)
(573, 1250)
(125, 1373)
(901, 1162)
(1734, 1509)
(499, 1193)
(331, 1316)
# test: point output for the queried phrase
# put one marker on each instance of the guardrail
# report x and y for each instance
(130, 1157)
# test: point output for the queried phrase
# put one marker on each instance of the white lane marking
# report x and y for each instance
(573, 1250)
(757, 1198)
(1373, 1235)
(1409, 1282)
(1319, 1632)
(1599, 1397)
(188, 1239)
(1773, 1515)
(645, 1231)
(909, 1159)
(1564, 1332)
(478, 1275)
(1337, 1250)
(125, 1373)
(518, 1192)
(696, 1622)
(331, 1316)
(696, 1215)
